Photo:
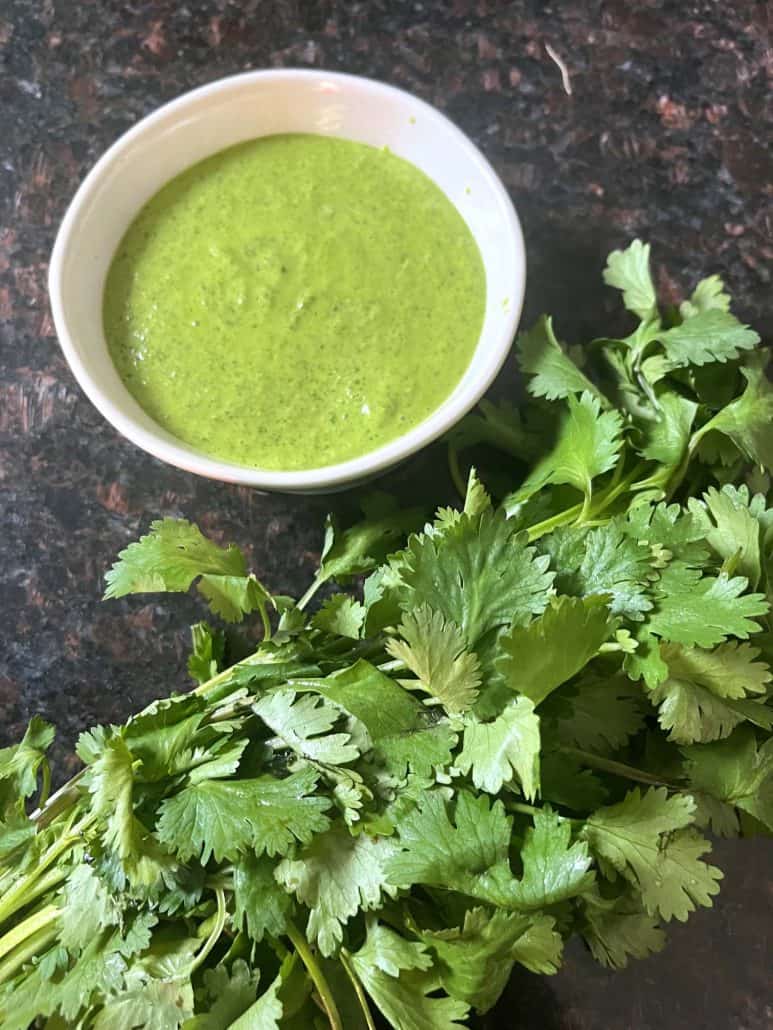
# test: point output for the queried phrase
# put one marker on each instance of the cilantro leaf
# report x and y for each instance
(265, 1013)
(420, 754)
(470, 855)
(599, 713)
(434, 650)
(397, 975)
(111, 783)
(20, 764)
(668, 528)
(363, 546)
(748, 420)
(553, 373)
(617, 929)
(302, 723)
(629, 271)
(708, 294)
(208, 651)
(388, 951)
(694, 696)
(730, 529)
(88, 908)
(587, 445)
(704, 611)
(382, 706)
(160, 1004)
(477, 499)
(340, 615)
(226, 817)
(233, 597)
(504, 750)
(17, 832)
(554, 869)
(710, 335)
(260, 905)
(499, 425)
(666, 440)
(692, 713)
(230, 995)
(645, 838)
(169, 558)
(480, 575)
(737, 771)
(548, 651)
(540, 947)
(475, 960)
(99, 969)
(605, 560)
(337, 876)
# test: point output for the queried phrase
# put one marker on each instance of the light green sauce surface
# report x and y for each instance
(294, 301)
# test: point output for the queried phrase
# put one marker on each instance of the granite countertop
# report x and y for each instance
(662, 132)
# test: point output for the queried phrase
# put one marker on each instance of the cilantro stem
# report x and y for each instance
(19, 895)
(532, 810)
(32, 946)
(316, 583)
(548, 525)
(266, 621)
(396, 665)
(43, 884)
(455, 471)
(214, 937)
(317, 976)
(520, 806)
(361, 997)
(628, 772)
(26, 928)
(45, 787)
(59, 802)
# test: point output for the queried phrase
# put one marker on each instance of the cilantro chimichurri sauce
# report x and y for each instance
(294, 301)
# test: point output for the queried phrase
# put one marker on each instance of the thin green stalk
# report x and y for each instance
(214, 937)
(455, 471)
(532, 810)
(263, 610)
(358, 989)
(519, 806)
(45, 787)
(19, 895)
(27, 950)
(316, 583)
(43, 884)
(590, 507)
(396, 665)
(301, 945)
(614, 490)
(62, 799)
(26, 928)
(548, 525)
(586, 509)
(628, 772)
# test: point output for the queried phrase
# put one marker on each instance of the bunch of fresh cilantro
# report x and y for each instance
(520, 728)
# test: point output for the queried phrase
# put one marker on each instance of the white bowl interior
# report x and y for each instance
(241, 108)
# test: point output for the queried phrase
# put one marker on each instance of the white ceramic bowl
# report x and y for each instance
(241, 108)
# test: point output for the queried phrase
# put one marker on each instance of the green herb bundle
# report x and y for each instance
(520, 728)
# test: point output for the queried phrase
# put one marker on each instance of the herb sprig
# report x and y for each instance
(520, 729)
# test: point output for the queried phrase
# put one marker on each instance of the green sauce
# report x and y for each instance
(294, 301)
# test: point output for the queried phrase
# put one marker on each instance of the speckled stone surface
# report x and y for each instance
(666, 135)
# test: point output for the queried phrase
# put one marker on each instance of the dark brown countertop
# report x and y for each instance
(665, 135)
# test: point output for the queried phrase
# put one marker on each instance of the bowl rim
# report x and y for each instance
(321, 478)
